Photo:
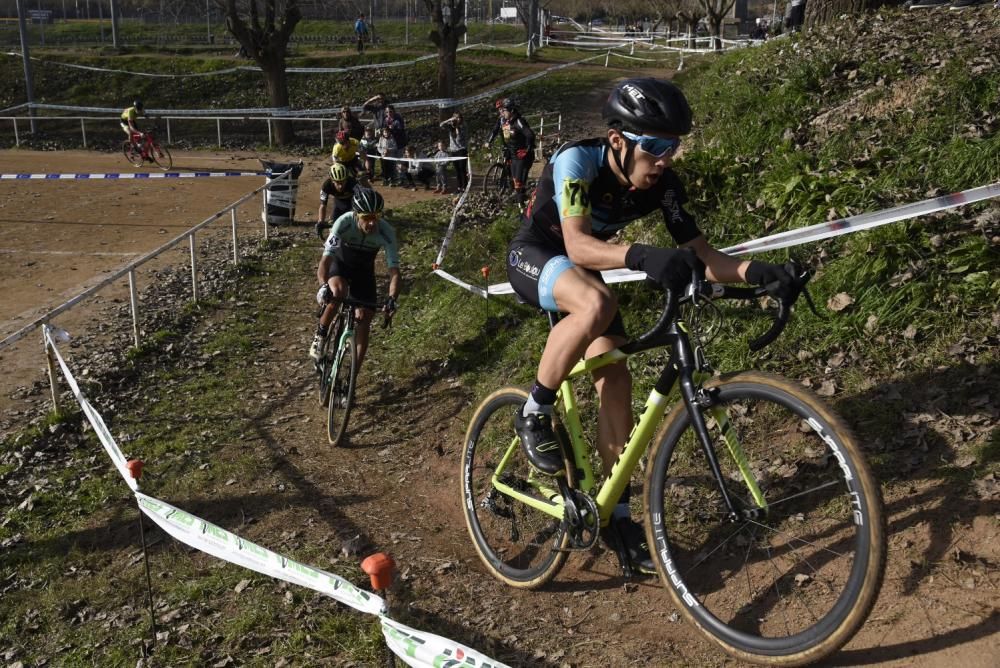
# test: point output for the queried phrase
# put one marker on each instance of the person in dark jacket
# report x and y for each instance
(458, 147)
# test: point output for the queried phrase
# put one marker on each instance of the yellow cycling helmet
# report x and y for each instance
(338, 172)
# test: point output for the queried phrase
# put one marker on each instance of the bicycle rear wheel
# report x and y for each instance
(341, 391)
(793, 577)
(519, 544)
(161, 156)
(132, 154)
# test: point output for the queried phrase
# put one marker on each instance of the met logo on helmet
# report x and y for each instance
(633, 92)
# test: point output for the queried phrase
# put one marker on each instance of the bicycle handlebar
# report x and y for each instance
(358, 303)
(707, 290)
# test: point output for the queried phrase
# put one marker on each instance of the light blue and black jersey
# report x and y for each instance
(356, 249)
(579, 181)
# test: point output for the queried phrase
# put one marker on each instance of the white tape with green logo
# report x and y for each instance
(415, 648)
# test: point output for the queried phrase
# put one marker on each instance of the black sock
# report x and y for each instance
(321, 330)
(541, 400)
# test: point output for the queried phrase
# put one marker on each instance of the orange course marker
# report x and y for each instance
(380, 568)
(134, 467)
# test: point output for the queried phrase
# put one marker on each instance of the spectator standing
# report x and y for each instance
(387, 148)
(369, 145)
(361, 32)
(376, 107)
(351, 123)
(439, 169)
(397, 126)
(458, 147)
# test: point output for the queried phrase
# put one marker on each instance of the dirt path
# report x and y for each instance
(401, 463)
(62, 237)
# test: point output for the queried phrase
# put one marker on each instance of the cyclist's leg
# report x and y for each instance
(614, 393)
(614, 424)
(363, 287)
(544, 277)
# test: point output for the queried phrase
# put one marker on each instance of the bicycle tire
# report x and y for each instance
(161, 156)
(491, 178)
(341, 391)
(134, 157)
(519, 545)
(813, 558)
(325, 365)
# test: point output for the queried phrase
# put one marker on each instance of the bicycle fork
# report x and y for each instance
(685, 363)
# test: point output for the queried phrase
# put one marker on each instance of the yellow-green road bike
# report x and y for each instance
(764, 520)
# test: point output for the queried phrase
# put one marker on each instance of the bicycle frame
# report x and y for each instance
(684, 365)
(346, 331)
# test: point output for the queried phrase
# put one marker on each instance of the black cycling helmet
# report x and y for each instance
(508, 104)
(137, 104)
(366, 200)
(648, 105)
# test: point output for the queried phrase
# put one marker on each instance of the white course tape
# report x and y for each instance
(280, 112)
(227, 546)
(836, 228)
(462, 284)
(419, 649)
(245, 68)
(121, 175)
(96, 421)
(416, 648)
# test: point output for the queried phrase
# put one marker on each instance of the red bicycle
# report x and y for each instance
(143, 148)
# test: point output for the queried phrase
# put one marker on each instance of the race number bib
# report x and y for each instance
(574, 199)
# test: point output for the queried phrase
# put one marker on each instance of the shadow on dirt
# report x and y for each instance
(918, 428)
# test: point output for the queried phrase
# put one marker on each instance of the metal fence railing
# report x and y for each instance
(130, 269)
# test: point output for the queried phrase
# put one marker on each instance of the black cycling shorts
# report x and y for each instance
(361, 281)
(532, 269)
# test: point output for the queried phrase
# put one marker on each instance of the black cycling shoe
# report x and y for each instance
(539, 441)
(633, 538)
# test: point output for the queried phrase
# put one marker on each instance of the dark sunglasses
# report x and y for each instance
(659, 147)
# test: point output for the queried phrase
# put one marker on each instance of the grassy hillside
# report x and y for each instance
(868, 114)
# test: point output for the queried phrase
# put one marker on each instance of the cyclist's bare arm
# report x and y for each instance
(394, 279)
(587, 251)
(323, 268)
(719, 267)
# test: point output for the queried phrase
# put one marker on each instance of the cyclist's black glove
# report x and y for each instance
(319, 230)
(670, 268)
(390, 306)
(326, 293)
(774, 278)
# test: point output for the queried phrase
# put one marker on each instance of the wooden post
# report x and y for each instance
(194, 270)
(53, 377)
(133, 297)
(236, 248)
(83, 131)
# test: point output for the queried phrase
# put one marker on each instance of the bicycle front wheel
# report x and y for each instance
(133, 155)
(341, 397)
(795, 573)
(161, 156)
(519, 544)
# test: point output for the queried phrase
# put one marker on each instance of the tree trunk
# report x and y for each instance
(277, 93)
(447, 59)
(716, 23)
(819, 12)
(267, 43)
(449, 27)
